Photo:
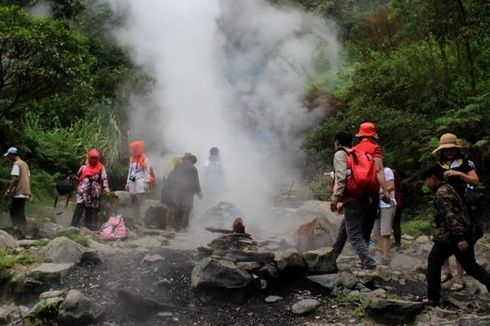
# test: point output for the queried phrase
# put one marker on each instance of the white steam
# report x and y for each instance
(229, 74)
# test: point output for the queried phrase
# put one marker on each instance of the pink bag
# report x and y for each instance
(113, 229)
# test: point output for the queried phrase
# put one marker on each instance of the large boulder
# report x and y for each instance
(212, 272)
(393, 312)
(62, 250)
(6, 240)
(51, 270)
(78, 309)
(49, 229)
(155, 215)
(321, 261)
(404, 262)
(9, 313)
(290, 264)
(317, 234)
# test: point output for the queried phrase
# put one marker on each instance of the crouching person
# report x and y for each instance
(456, 234)
(92, 180)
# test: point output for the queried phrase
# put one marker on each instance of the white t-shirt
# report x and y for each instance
(16, 172)
(388, 177)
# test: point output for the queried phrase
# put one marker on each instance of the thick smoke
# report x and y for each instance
(229, 74)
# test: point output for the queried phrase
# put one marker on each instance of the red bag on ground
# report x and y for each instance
(361, 174)
(114, 229)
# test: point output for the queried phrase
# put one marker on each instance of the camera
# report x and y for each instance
(132, 178)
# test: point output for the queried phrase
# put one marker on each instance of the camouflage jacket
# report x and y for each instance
(453, 222)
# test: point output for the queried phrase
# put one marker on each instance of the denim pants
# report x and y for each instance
(351, 228)
(439, 254)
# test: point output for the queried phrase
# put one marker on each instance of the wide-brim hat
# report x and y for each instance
(447, 141)
(367, 129)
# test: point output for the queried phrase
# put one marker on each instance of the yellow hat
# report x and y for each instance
(447, 141)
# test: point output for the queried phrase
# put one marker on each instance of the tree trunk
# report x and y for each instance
(467, 47)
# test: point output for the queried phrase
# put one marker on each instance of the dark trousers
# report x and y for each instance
(89, 216)
(397, 226)
(180, 216)
(351, 228)
(439, 254)
(370, 217)
(18, 215)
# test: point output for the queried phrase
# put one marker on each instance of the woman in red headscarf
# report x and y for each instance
(139, 177)
(92, 180)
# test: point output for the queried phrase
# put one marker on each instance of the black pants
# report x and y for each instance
(18, 215)
(89, 216)
(397, 226)
(439, 254)
(370, 217)
(180, 214)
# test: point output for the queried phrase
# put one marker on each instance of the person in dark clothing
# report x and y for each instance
(397, 221)
(182, 184)
(456, 234)
(460, 173)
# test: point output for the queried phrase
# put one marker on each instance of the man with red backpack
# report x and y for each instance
(364, 177)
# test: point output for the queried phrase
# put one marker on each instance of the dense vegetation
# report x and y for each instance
(417, 68)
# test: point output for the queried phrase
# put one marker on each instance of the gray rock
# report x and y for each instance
(90, 256)
(273, 299)
(152, 258)
(62, 250)
(423, 239)
(407, 237)
(102, 248)
(25, 243)
(78, 309)
(52, 270)
(268, 272)
(51, 294)
(146, 242)
(138, 305)
(49, 229)
(321, 260)
(9, 313)
(248, 265)
(219, 273)
(393, 311)
(305, 306)
(404, 262)
(330, 281)
(6, 240)
(289, 260)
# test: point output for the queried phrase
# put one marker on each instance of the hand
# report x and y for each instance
(30, 198)
(385, 197)
(452, 173)
(333, 206)
(340, 208)
(6, 194)
(126, 187)
(107, 191)
(463, 245)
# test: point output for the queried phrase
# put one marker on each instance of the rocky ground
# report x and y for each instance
(146, 280)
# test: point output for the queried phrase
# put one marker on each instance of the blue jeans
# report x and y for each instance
(351, 228)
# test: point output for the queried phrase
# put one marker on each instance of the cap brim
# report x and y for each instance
(6, 154)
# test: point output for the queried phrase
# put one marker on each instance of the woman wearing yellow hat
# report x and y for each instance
(459, 173)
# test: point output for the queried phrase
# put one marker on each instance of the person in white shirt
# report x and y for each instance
(383, 226)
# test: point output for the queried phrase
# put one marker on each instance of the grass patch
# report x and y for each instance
(40, 243)
(359, 312)
(45, 312)
(8, 260)
(73, 235)
(418, 227)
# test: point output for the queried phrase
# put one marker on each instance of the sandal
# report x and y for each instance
(457, 285)
(446, 277)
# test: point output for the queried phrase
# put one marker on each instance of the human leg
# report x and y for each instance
(17, 214)
(468, 262)
(397, 227)
(437, 256)
(386, 228)
(340, 240)
(89, 217)
(77, 215)
(370, 217)
(354, 214)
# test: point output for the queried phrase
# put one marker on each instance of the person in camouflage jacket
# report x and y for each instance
(456, 234)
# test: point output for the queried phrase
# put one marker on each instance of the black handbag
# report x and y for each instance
(472, 197)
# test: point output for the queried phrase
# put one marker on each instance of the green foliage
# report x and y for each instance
(45, 312)
(8, 260)
(418, 227)
(360, 304)
(73, 235)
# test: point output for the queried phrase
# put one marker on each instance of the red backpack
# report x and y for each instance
(361, 178)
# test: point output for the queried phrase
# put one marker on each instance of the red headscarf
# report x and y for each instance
(138, 155)
(91, 169)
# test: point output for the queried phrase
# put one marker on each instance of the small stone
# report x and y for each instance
(165, 314)
(423, 239)
(26, 243)
(393, 311)
(152, 258)
(305, 306)
(62, 250)
(165, 281)
(407, 237)
(220, 273)
(9, 313)
(273, 299)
